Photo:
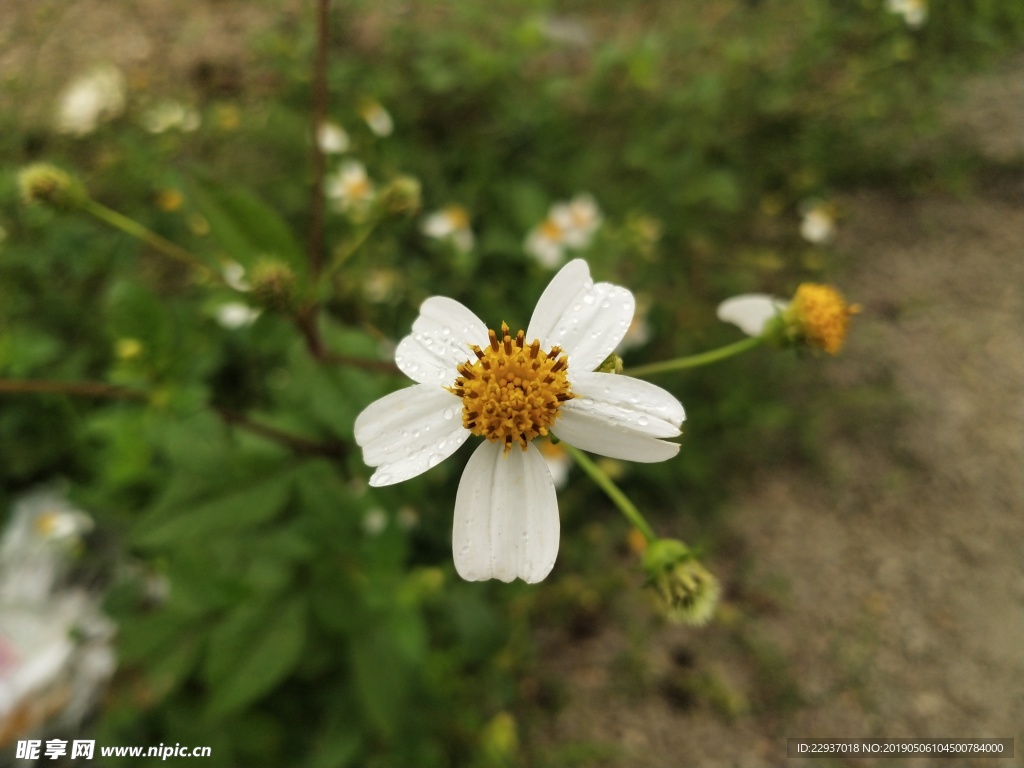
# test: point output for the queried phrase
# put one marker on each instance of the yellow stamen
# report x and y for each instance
(513, 391)
(822, 315)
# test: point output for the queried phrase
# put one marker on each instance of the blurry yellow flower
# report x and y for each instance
(450, 224)
(90, 99)
(546, 244)
(128, 349)
(169, 199)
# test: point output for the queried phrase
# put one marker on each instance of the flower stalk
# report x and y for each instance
(695, 361)
(606, 484)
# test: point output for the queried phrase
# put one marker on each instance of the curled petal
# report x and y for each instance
(439, 342)
(409, 431)
(506, 516)
(751, 311)
(586, 319)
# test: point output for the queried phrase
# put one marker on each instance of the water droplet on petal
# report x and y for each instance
(642, 421)
(449, 413)
(588, 298)
(434, 460)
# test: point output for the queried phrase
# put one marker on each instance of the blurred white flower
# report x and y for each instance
(751, 311)
(568, 225)
(235, 315)
(349, 188)
(914, 12)
(378, 118)
(96, 96)
(546, 244)
(579, 220)
(380, 285)
(234, 276)
(44, 527)
(375, 521)
(565, 30)
(55, 645)
(818, 223)
(170, 115)
(451, 224)
(332, 138)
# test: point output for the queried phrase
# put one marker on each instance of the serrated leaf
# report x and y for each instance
(271, 653)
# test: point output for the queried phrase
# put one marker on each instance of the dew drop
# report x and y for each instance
(577, 307)
(405, 433)
(446, 331)
(434, 460)
(449, 413)
(588, 298)
(642, 421)
(605, 304)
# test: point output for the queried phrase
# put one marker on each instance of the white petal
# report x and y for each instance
(440, 341)
(751, 311)
(585, 319)
(409, 431)
(506, 516)
(620, 417)
(632, 404)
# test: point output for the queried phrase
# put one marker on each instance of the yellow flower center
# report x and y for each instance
(46, 523)
(513, 391)
(822, 315)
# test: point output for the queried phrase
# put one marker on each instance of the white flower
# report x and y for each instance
(92, 98)
(378, 118)
(546, 243)
(350, 188)
(511, 389)
(751, 311)
(579, 219)
(914, 12)
(818, 224)
(234, 276)
(170, 115)
(235, 315)
(450, 223)
(332, 138)
(568, 225)
(43, 528)
(375, 521)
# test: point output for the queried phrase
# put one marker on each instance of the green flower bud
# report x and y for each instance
(611, 364)
(273, 284)
(45, 184)
(402, 196)
(687, 591)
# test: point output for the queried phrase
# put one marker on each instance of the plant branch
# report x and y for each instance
(76, 388)
(316, 226)
(300, 445)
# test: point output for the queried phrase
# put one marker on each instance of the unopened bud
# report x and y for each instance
(45, 184)
(687, 591)
(402, 196)
(611, 364)
(273, 284)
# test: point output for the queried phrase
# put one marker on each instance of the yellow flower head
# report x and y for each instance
(820, 315)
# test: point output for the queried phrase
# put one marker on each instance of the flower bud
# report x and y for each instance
(48, 185)
(818, 316)
(402, 196)
(688, 592)
(611, 364)
(273, 284)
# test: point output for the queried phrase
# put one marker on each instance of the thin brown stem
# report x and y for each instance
(76, 388)
(382, 366)
(316, 226)
(298, 444)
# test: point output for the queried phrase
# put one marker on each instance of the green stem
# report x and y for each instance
(694, 361)
(343, 255)
(148, 236)
(628, 509)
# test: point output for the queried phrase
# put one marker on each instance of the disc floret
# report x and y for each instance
(513, 391)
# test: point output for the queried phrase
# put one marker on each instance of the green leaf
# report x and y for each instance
(263, 657)
(233, 509)
(246, 227)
